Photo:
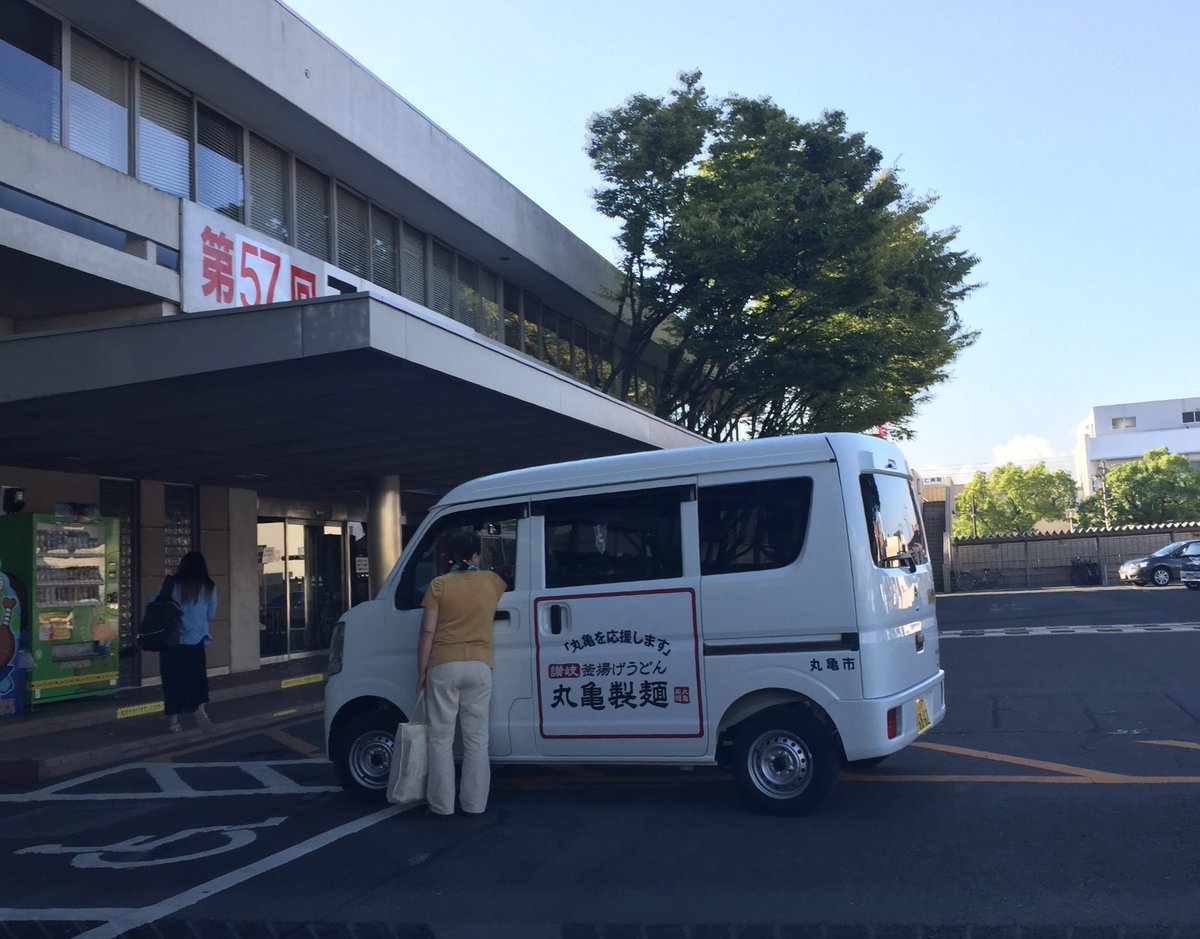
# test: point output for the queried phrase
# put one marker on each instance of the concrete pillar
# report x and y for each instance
(383, 528)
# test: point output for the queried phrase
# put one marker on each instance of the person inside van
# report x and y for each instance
(454, 665)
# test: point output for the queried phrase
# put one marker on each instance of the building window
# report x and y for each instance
(488, 287)
(353, 234)
(442, 299)
(385, 244)
(270, 189)
(1191, 417)
(312, 211)
(512, 315)
(99, 98)
(219, 180)
(531, 313)
(31, 69)
(466, 307)
(412, 269)
(1124, 423)
(165, 138)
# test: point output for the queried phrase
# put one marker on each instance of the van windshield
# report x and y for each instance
(893, 521)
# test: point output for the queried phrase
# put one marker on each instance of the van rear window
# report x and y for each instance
(753, 526)
(893, 521)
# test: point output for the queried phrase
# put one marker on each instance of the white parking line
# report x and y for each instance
(1132, 629)
(262, 779)
(116, 922)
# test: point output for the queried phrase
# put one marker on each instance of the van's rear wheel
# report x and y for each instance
(361, 752)
(785, 761)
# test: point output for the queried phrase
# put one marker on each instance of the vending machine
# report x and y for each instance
(70, 569)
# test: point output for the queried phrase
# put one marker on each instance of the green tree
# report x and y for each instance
(1010, 500)
(1160, 487)
(786, 276)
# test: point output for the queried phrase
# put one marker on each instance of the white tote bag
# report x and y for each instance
(410, 759)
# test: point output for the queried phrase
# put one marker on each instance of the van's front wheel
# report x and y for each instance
(361, 753)
(785, 761)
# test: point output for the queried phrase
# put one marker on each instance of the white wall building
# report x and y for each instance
(256, 304)
(1118, 433)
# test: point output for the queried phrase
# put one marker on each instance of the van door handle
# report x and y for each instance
(557, 615)
(503, 615)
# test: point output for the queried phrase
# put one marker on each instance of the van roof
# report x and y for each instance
(867, 451)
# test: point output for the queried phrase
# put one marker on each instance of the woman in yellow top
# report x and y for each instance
(454, 667)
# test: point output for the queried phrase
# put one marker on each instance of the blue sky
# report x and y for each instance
(1061, 139)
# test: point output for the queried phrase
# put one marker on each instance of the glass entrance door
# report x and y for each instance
(302, 585)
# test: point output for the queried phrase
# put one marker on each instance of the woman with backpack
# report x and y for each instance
(183, 669)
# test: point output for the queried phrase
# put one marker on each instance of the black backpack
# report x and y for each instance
(162, 622)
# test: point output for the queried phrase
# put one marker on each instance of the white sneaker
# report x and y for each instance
(204, 722)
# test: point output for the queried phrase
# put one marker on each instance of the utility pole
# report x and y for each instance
(974, 527)
(1102, 475)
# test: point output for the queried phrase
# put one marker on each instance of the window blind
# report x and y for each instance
(219, 180)
(312, 211)
(164, 138)
(442, 299)
(466, 309)
(488, 286)
(353, 247)
(412, 275)
(99, 96)
(31, 69)
(267, 172)
(385, 260)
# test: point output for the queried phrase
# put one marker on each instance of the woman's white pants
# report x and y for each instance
(459, 691)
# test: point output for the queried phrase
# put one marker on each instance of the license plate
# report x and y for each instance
(923, 721)
(1187, 576)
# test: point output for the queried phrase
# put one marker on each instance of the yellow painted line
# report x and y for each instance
(1051, 780)
(138, 710)
(292, 743)
(1182, 744)
(1089, 774)
(302, 680)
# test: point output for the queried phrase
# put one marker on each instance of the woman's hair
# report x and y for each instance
(192, 577)
(463, 547)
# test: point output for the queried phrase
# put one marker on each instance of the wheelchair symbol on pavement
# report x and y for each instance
(235, 836)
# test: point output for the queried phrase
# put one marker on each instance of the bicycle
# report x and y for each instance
(973, 580)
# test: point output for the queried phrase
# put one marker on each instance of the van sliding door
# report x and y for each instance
(616, 647)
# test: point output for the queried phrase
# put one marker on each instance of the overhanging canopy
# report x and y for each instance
(303, 400)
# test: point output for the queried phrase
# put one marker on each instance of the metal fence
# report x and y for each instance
(1054, 560)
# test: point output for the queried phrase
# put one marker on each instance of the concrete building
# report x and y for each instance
(1118, 433)
(257, 304)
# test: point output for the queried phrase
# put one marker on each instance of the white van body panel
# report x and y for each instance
(839, 631)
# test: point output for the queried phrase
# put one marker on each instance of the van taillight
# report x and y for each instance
(893, 719)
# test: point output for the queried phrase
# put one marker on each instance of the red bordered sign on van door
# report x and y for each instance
(618, 665)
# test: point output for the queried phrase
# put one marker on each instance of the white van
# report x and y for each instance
(765, 605)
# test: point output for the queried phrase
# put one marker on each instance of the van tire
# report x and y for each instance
(786, 761)
(361, 752)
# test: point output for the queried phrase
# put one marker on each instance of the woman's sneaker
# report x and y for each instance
(204, 722)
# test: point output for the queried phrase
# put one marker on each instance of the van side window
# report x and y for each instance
(754, 526)
(497, 530)
(893, 521)
(613, 538)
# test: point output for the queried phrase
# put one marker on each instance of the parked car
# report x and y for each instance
(1190, 572)
(1162, 567)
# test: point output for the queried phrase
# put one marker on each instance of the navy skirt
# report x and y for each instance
(184, 678)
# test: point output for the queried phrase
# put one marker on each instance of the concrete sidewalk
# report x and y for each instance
(64, 737)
